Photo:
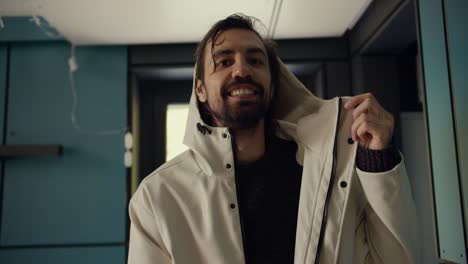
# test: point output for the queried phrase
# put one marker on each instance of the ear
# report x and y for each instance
(201, 91)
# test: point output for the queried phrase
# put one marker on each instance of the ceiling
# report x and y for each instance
(103, 22)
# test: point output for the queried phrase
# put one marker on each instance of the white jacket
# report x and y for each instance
(182, 213)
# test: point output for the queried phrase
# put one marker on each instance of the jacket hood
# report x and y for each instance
(293, 101)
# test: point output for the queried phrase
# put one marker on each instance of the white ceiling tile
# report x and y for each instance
(91, 22)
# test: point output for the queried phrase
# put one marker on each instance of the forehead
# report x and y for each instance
(238, 40)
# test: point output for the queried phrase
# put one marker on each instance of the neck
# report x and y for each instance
(250, 143)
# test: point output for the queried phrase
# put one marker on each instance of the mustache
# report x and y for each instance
(225, 89)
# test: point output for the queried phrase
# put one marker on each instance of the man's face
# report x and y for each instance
(237, 92)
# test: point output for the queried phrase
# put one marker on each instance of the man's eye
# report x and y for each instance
(225, 63)
(255, 61)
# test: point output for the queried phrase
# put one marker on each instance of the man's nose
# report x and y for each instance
(241, 69)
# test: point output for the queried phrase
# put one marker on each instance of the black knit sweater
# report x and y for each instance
(269, 191)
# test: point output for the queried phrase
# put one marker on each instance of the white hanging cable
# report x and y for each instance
(73, 67)
(278, 9)
(1, 23)
(272, 17)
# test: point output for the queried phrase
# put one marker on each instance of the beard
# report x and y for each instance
(239, 115)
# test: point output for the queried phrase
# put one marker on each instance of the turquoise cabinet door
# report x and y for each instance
(85, 255)
(441, 99)
(79, 197)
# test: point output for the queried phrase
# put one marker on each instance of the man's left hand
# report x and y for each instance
(372, 124)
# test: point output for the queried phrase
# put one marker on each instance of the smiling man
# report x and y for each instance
(273, 174)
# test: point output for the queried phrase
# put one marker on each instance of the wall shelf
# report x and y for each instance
(12, 151)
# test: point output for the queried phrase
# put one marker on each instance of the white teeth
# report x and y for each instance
(241, 92)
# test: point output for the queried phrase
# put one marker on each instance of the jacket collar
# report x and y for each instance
(210, 144)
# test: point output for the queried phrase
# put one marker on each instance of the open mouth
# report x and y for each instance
(242, 92)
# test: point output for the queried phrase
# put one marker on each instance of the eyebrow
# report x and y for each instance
(256, 50)
(223, 52)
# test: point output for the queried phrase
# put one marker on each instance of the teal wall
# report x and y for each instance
(3, 79)
(456, 13)
(77, 255)
(70, 208)
(443, 87)
(26, 29)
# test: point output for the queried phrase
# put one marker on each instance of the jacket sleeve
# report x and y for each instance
(390, 216)
(146, 244)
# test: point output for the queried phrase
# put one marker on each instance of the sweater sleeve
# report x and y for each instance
(369, 160)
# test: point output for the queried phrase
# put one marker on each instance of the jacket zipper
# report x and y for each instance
(330, 189)
(241, 220)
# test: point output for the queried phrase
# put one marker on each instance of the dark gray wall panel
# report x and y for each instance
(338, 78)
(288, 50)
(377, 14)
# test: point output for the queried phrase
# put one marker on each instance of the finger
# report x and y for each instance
(355, 125)
(356, 100)
(362, 136)
(363, 118)
(366, 132)
(364, 107)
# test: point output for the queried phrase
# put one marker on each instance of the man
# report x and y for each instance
(273, 174)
